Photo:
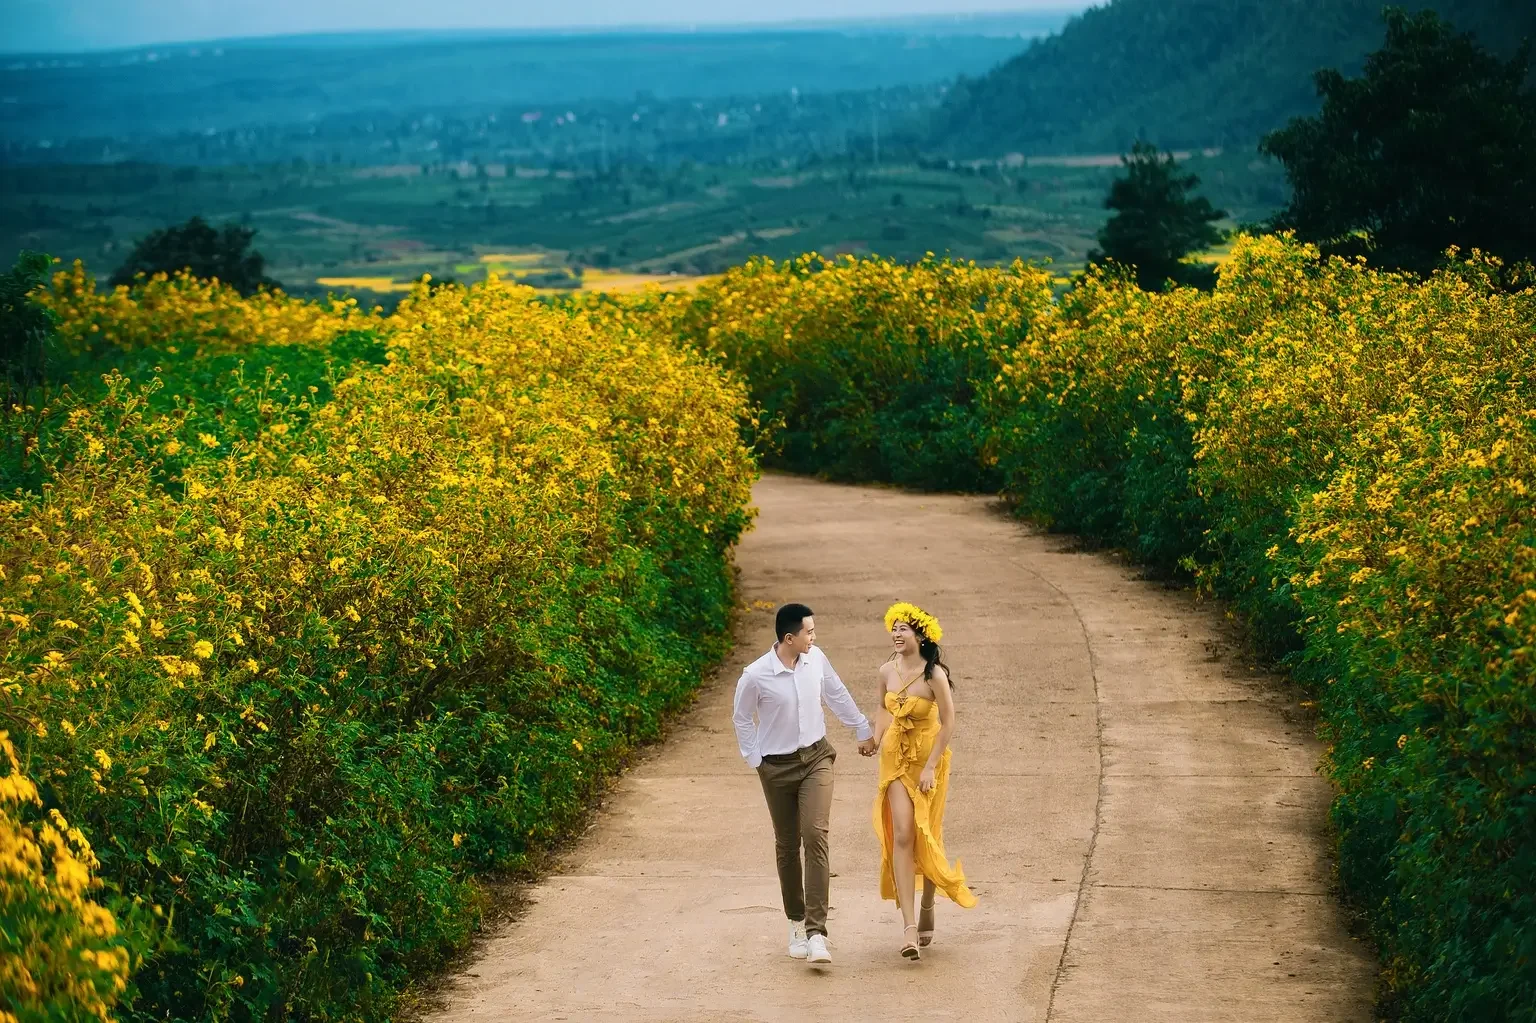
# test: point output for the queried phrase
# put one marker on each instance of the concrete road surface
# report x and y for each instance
(1136, 809)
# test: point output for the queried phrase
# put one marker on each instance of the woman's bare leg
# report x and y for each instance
(925, 918)
(903, 849)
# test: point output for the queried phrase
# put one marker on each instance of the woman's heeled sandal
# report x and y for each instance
(910, 949)
(925, 926)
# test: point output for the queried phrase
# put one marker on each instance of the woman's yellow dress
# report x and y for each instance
(905, 748)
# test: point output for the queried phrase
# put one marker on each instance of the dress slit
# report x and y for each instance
(905, 748)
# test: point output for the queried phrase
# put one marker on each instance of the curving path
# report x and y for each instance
(1136, 810)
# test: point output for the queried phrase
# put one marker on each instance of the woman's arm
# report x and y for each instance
(882, 716)
(942, 696)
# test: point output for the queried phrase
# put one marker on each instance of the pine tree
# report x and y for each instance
(1157, 221)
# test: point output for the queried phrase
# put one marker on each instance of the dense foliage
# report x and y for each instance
(338, 609)
(1346, 455)
(865, 369)
(1157, 221)
(1183, 73)
(26, 330)
(1433, 146)
(61, 957)
(322, 613)
(1349, 456)
(221, 254)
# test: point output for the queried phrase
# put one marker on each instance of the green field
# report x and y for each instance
(397, 222)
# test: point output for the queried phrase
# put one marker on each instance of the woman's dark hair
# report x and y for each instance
(788, 620)
(932, 658)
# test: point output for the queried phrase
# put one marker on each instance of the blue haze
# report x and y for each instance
(36, 26)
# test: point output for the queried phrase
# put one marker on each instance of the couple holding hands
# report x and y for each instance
(782, 734)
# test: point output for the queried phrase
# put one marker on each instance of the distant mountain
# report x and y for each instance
(56, 27)
(1183, 73)
(1014, 25)
(219, 86)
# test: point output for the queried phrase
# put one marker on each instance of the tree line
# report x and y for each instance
(1431, 148)
(1190, 73)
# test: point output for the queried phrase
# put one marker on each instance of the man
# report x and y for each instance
(788, 747)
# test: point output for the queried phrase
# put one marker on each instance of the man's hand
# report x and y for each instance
(869, 747)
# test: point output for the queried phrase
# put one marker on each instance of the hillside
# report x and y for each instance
(1183, 73)
(207, 88)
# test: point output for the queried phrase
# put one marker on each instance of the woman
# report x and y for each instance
(916, 723)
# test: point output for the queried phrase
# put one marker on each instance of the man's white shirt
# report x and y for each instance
(787, 703)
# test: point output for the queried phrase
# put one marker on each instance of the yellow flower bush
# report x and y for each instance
(167, 311)
(861, 369)
(1406, 414)
(59, 957)
(1346, 455)
(337, 610)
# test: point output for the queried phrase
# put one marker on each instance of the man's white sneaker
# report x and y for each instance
(816, 949)
(797, 944)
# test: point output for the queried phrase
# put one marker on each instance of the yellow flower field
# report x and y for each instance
(866, 369)
(326, 612)
(382, 285)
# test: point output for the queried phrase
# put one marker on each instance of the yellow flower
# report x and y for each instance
(46, 877)
(539, 433)
(921, 621)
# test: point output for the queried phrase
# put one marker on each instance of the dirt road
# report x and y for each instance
(1136, 809)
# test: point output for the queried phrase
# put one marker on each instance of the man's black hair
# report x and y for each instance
(788, 620)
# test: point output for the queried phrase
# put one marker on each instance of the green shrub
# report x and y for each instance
(865, 369)
(306, 631)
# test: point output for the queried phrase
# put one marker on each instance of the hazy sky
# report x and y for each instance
(92, 24)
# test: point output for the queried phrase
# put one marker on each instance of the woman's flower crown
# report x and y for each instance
(921, 621)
